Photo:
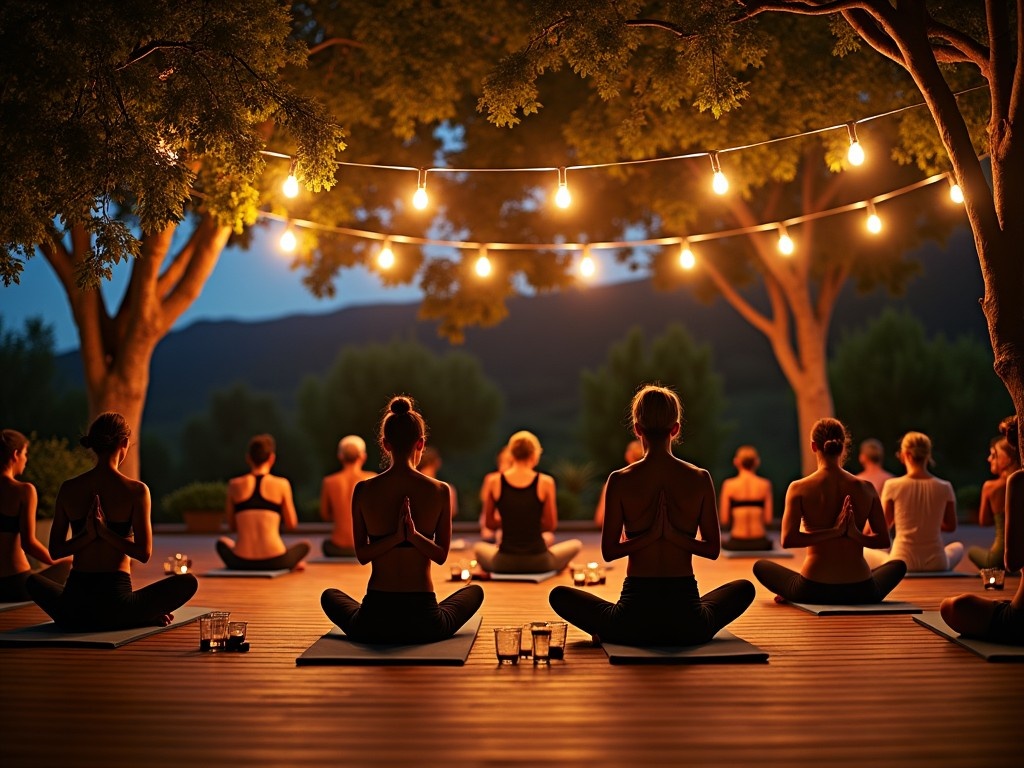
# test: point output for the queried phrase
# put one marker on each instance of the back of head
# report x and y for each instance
(1008, 429)
(831, 437)
(747, 457)
(351, 448)
(401, 427)
(11, 441)
(917, 447)
(524, 446)
(656, 410)
(261, 448)
(872, 450)
(106, 433)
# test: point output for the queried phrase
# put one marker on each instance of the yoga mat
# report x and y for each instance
(888, 606)
(228, 573)
(333, 560)
(336, 649)
(48, 635)
(939, 575)
(724, 648)
(988, 650)
(12, 606)
(457, 545)
(532, 578)
(759, 553)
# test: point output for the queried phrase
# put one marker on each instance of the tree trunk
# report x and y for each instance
(124, 392)
(813, 402)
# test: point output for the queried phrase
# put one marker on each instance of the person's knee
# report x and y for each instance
(951, 610)
(329, 599)
(559, 597)
(301, 549)
(188, 584)
(763, 569)
(744, 591)
(474, 596)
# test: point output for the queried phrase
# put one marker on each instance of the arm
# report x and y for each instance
(769, 508)
(60, 545)
(29, 543)
(985, 503)
(724, 504)
(366, 551)
(997, 497)
(289, 517)
(879, 536)
(792, 537)
(599, 510)
(709, 544)
(949, 514)
(437, 548)
(549, 517)
(1013, 555)
(326, 511)
(140, 546)
(491, 519)
(889, 513)
(613, 544)
(229, 510)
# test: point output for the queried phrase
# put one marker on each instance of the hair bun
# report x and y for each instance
(401, 405)
(832, 447)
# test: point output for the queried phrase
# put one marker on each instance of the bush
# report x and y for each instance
(50, 463)
(195, 496)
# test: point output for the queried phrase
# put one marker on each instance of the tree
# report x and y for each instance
(460, 405)
(119, 124)
(939, 45)
(673, 360)
(889, 379)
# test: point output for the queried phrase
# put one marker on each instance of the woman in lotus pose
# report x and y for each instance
(746, 503)
(826, 512)
(336, 496)
(1003, 461)
(402, 523)
(921, 506)
(18, 524)
(661, 503)
(1000, 621)
(108, 515)
(259, 505)
(521, 503)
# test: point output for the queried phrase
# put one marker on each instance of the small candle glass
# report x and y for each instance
(993, 578)
(579, 577)
(506, 644)
(236, 635)
(541, 645)
(559, 630)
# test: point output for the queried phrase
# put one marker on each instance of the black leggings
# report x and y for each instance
(791, 586)
(96, 602)
(403, 618)
(1007, 625)
(747, 545)
(654, 611)
(330, 549)
(292, 557)
(12, 588)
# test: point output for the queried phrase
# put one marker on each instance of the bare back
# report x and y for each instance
(814, 504)
(376, 513)
(746, 503)
(259, 530)
(631, 505)
(15, 498)
(336, 502)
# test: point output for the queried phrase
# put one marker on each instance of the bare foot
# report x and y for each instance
(163, 620)
(300, 567)
(780, 599)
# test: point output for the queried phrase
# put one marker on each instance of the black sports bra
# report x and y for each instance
(733, 503)
(257, 502)
(10, 523)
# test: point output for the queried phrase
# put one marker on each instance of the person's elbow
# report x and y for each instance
(787, 540)
(144, 555)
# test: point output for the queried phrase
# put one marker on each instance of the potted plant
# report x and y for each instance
(199, 505)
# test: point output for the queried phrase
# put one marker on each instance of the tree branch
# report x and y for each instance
(209, 245)
(1001, 77)
(870, 31)
(966, 46)
(140, 53)
(831, 284)
(170, 276)
(802, 8)
(746, 310)
(335, 41)
(1017, 94)
(668, 26)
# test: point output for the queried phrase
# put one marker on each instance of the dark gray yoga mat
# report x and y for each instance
(873, 609)
(989, 651)
(758, 553)
(12, 606)
(228, 573)
(532, 578)
(321, 560)
(48, 635)
(939, 575)
(724, 648)
(335, 648)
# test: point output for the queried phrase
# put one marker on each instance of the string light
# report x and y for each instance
(483, 264)
(288, 241)
(955, 193)
(686, 258)
(291, 184)
(386, 257)
(719, 183)
(587, 265)
(562, 197)
(855, 154)
(874, 223)
(420, 199)
(786, 246)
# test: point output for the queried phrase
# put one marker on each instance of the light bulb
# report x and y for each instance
(291, 186)
(786, 246)
(874, 223)
(855, 154)
(386, 257)
(686, 258)
(956, 194)
(483, 265)
(587, 266)
(419, 198)
(288, 241)
(562, 197)
(719, 183)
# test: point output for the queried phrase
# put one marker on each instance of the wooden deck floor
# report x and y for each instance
(837, 691)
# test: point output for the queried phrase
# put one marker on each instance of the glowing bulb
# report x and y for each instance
(686, 257)
(874, 224)
(386, 257)
(419, 198)
(956, 194)
(719, 183)
(562, 196)
(288, 241)
(483, 264)
(786, 246)
(291, 184)
(587, 266)
(855, 154)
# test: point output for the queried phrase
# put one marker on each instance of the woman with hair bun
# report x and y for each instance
(1003, 461)
(108, 516)
(259, 505)
(402, 522)
(521, 503)
(18, 524)
(660, 503)
(921, 506)
(826, 512)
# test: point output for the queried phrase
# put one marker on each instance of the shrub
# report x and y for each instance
(195, 496)
(50, 463)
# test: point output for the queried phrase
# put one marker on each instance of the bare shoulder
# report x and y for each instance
(1015, 482)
